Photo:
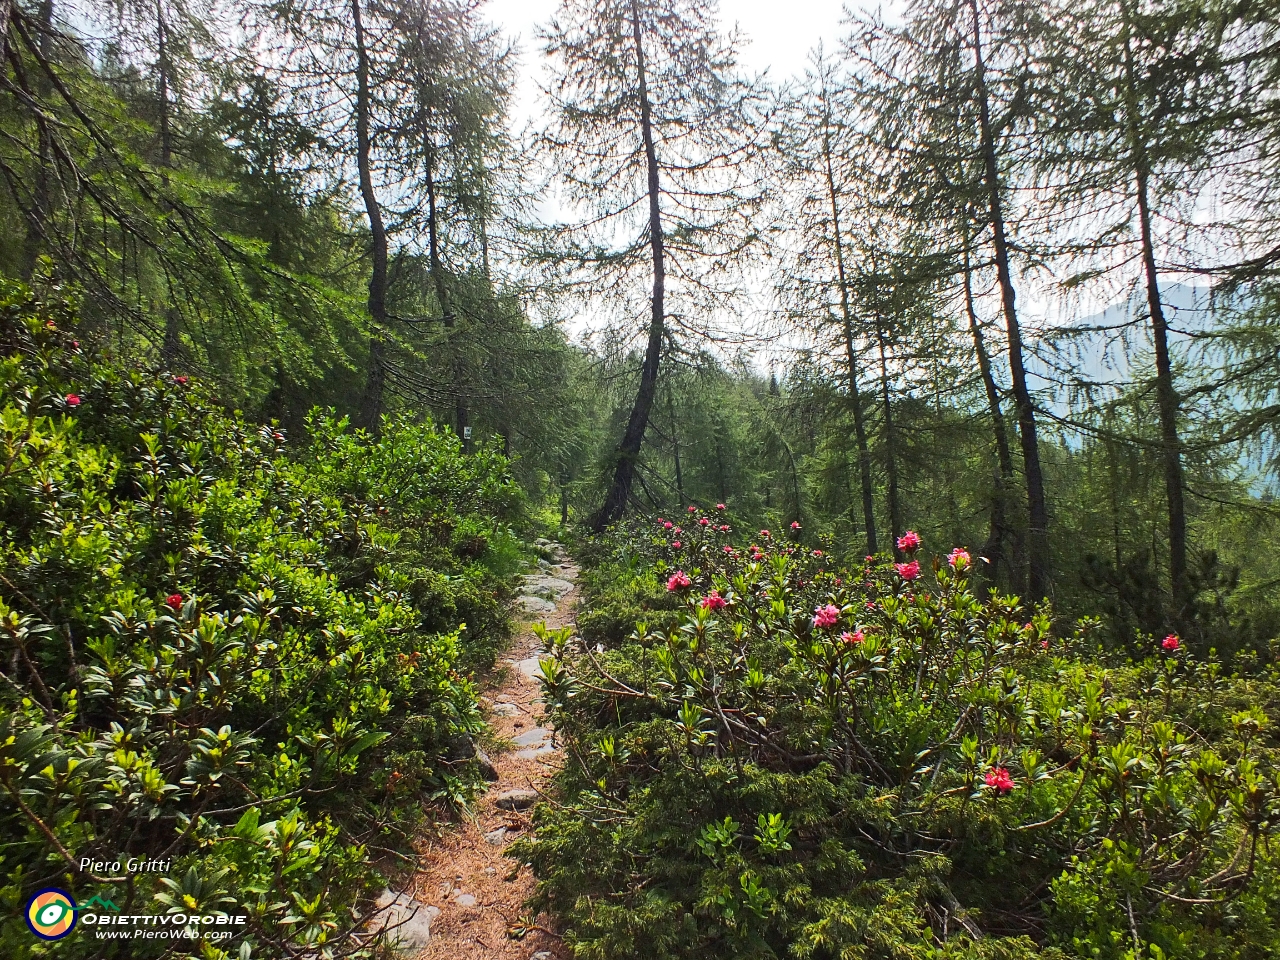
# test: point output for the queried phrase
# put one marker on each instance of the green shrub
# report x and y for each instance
(213, 652)
(821, 761)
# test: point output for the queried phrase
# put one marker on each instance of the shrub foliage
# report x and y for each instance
(870, 760)
(249, 662)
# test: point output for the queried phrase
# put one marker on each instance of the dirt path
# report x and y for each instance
(480, 893)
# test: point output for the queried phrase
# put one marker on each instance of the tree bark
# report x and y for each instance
(675, 442)
(628, 451)
(1002, 478)
(1167, 400)
(859, 424)
(370, 416)
(1038, 572)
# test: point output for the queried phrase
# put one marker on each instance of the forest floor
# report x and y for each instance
(479, 893)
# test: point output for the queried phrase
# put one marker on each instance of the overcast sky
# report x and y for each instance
(779, 35)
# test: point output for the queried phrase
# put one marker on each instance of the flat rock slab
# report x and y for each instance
(544, 583)
(406, 921)
(506, 710)
(531, 604)
(529, 667)
(517, 800)
(564, 571)
(533, 737)
(465, 900)
(496, 837)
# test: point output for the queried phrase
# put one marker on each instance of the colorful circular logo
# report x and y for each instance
(51, 914)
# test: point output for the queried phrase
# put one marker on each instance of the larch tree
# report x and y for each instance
(650, 138)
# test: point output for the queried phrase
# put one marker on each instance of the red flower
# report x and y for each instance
(724, 528)
(713, 601)
(660, 520)
(817, 553)
(998, 779)
(719, 506)
(667, 524)
(182, 380)
(704, 521)
(795, 524)
(174, 601)
(693, 509)
(675, 544)
(853, 639)
(958, 558)
(728, 549)
(75, 344)
(908, 571)
(73, 400)
(678, 581)
(909, 541)
(678, 530)
(764, 534)
(1171, 643)
(826, 616)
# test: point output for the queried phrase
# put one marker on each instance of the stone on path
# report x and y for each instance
(517, 799)
(504, 709)
(533, 737)
(487, 769)
(407, 921)
(531, 604)
(496, 837)
(529, 667)
(465, 900)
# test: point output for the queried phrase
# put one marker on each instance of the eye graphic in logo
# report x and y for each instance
(51, 914)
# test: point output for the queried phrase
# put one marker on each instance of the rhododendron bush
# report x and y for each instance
(218, 651)
(879, 759)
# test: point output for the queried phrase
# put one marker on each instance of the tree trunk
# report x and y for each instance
(675, 443)
(859, 424)
(370, 416)
(1167, 400)
(890, 442)
(461, 408)
(1038, 574)
(1002, 478)
(41, 205)
(628, 452)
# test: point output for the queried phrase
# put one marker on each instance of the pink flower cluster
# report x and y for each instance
(909, 542)
(853, 639)
(1171, 643)
(959, 559)
(678, 581)
(826, 616)
(713, 601)
(999, 780)
(908, 571)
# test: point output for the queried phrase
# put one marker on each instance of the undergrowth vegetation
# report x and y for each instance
(247, 659)
(788, 756)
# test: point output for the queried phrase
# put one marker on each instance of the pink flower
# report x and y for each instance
(817, 553)
(719, 506)
(870, 605)
(667, 524)
(713, 601)
(728, 549)
(853, 639)
(174, 601)
(724, 528)
(795, 524)
(1044, 644)
(660, 520)
(703, 522)
(998, 779)
(678, 581)
(764, 534)
(675, 544)
(826, 616)
(693, 509)
(908, 571)
(909, 541)
(75, 344)
(678, 530)
(1171, 643)
(73, 400)
(958, 558)
(180, 380)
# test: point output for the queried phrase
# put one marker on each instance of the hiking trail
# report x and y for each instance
(467, 898)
